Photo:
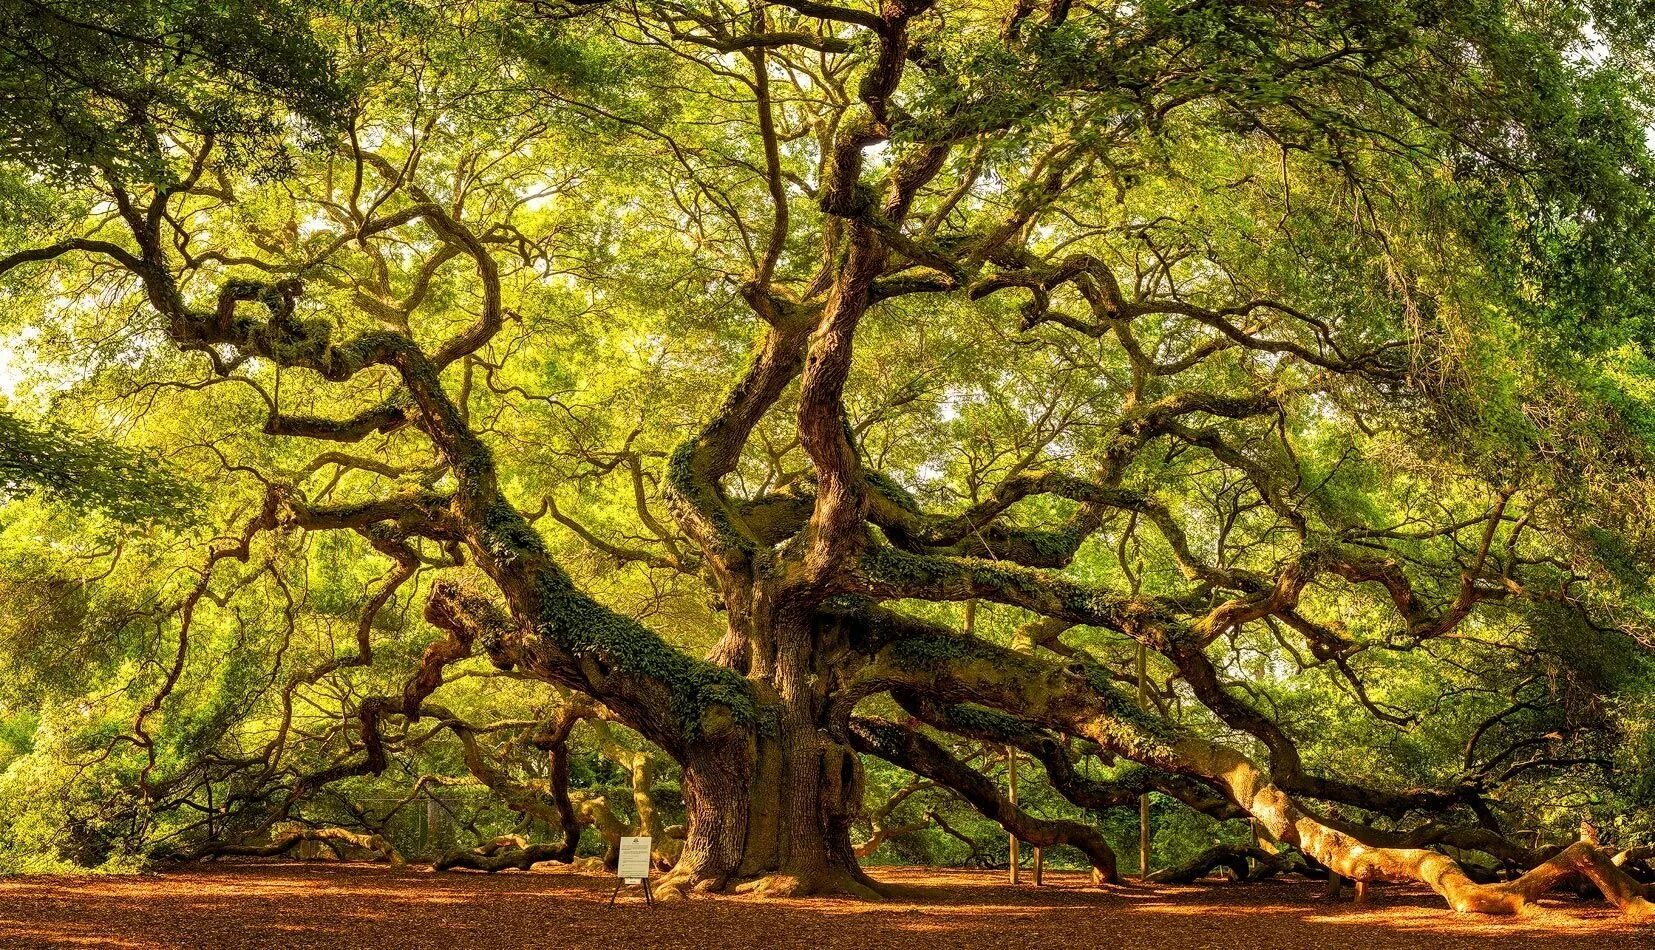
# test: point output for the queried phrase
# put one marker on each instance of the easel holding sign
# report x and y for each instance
(633, 868)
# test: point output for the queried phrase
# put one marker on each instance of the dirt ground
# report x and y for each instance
(356, 906)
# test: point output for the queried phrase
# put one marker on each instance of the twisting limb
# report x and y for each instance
(999, 728)
(951, 666)
(914, 752)
(283, 843)
(880, 818)
(496, 857)
(1234, 858)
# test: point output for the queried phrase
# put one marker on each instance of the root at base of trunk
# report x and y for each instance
(674, 886)
(671, 888)
(821, 884)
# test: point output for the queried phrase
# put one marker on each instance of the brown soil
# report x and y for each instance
(356, 906)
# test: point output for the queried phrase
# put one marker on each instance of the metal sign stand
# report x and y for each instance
(649, 898)
(633, 868)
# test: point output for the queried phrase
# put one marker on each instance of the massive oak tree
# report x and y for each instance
(952, 351)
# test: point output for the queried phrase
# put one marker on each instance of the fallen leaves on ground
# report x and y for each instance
(321, 905)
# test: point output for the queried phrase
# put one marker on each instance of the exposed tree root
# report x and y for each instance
(679, 885)
(824, 884)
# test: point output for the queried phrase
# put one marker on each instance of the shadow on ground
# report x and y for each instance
(324, 906)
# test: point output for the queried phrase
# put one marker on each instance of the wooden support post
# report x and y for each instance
(1097, 876)
(1011, 789)
(1252, 834)
(438, 836)
(1143, 800)
(1039, 867)
(1143, 837)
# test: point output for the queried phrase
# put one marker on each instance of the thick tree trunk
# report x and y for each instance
(774, 814)
(806, 793)
(717, 777)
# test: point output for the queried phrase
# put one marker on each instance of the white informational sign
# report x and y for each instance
(634, 864)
